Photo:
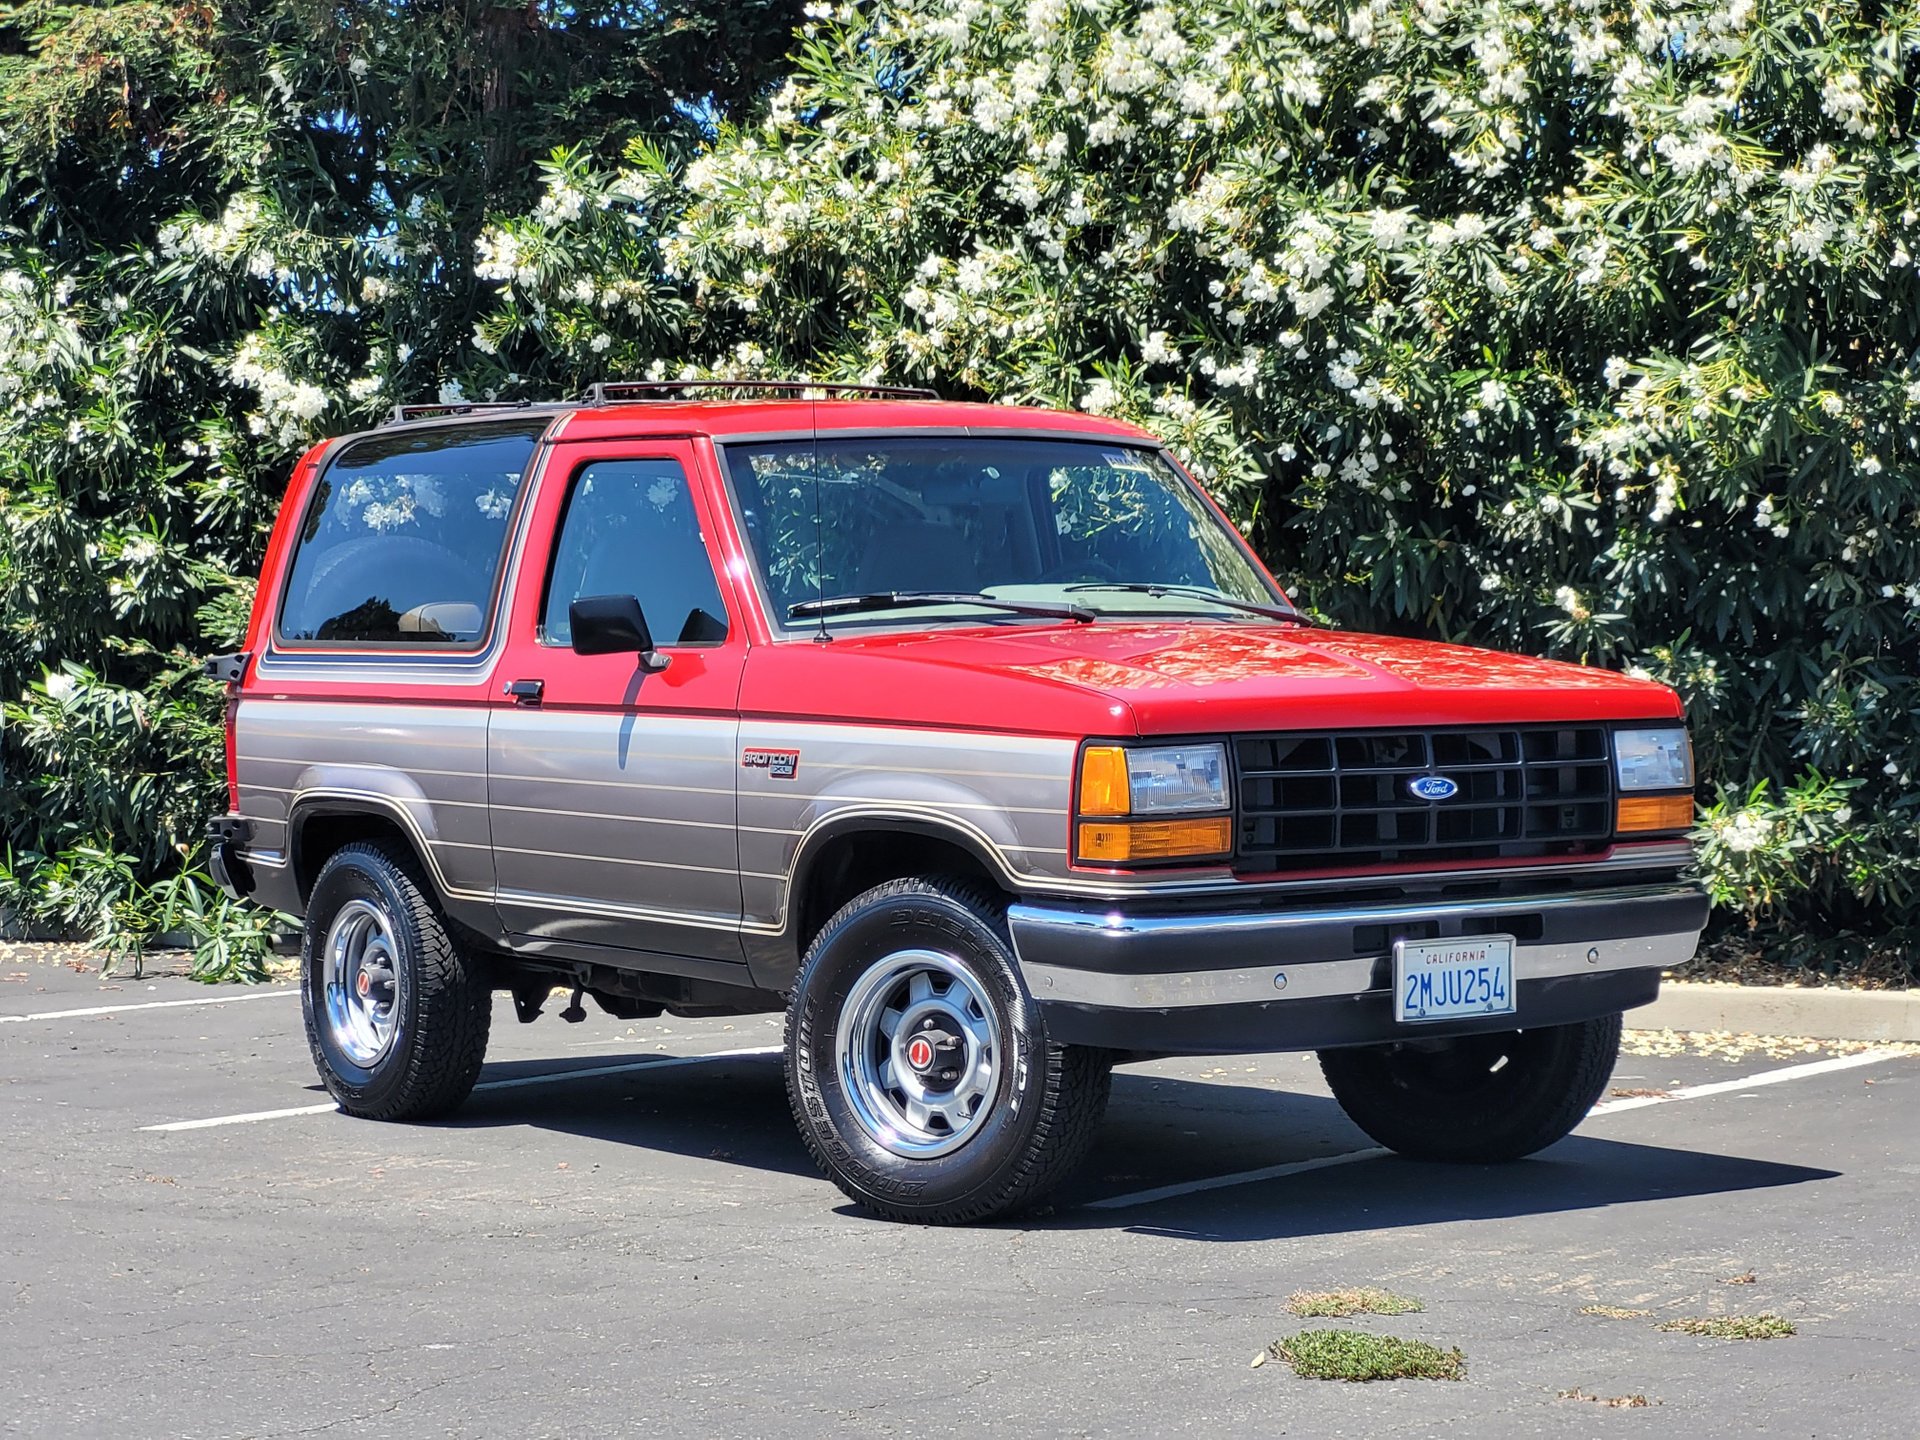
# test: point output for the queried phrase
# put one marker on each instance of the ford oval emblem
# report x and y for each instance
(1432, 787)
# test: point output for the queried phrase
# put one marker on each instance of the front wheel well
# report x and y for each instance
(852, 863)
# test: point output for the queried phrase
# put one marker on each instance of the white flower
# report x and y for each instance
(1389, 228)
(59, 685)
(1157, 349)
(1614, 371)
(451, 393)
(1747, 831)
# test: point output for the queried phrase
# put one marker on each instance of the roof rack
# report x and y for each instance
(400, 414)
(613, 391)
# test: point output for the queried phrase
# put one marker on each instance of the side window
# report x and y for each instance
(404, 537)
(630, 528)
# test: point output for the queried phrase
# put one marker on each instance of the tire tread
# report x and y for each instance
(453, 1009)
(1580, 1065)
(1073, 1096)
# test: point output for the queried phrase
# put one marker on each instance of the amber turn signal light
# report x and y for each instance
(1104, 789)
(1122, 842)
(1641, 813)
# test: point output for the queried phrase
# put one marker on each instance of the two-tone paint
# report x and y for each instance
(622, 816)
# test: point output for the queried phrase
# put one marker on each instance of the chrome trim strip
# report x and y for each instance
(1318, 980)
(1262, 924)
(548, 811)
(619, 860)
(1222, 884)
(536, 900)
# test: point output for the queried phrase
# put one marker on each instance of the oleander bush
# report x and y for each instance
(226, 229)
(1573, 327)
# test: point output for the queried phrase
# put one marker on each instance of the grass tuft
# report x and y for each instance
(1356, 1355)
(1340, 1304)
(1730, 1327)
(1613, 1312)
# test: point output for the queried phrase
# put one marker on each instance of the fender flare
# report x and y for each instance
(332, 800)
(931, 824)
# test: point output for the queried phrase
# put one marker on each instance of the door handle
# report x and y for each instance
(526, 692)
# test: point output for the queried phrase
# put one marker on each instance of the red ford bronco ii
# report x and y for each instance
(974, 738)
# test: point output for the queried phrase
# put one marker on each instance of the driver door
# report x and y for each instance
(610, 787)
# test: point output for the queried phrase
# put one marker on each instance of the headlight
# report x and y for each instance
(1166, 780)
(1122, 782)
(1653, 759)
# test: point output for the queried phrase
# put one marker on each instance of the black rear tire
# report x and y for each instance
(1476, 1098)
(420, 1058)
(1030, 1124)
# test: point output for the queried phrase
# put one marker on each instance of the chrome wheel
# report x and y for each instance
(360, 982)
(919, 1053)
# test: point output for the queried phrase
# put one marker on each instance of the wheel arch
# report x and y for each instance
(849, 853)
(321, 822)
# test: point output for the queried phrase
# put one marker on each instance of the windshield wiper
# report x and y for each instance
(1198, 592)
(902, 599)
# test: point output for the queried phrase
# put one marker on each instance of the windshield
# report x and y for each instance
(1059, 521)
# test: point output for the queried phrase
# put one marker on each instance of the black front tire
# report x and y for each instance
(441, 1007)
(1030, 1128)
(1476, 1098)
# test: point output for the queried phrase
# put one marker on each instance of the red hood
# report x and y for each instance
(1191, 678)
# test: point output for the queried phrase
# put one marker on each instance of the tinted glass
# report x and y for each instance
(630, 528)
(404, 537)
(1012, 518)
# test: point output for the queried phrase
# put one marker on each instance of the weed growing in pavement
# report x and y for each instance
(1339, 1304)
(1613, 1312)
(1356, 1355)
(1730, 1327)
(1612, 1402)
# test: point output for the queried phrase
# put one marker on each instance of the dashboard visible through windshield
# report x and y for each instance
(1108, 528)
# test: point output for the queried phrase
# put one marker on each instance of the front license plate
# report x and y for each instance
(1446, 979)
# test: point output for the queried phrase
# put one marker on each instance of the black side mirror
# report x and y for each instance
(613, 625)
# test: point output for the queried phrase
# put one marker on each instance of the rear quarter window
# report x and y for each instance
(404, 536)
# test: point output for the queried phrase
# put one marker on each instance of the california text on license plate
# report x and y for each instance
(1446, 979)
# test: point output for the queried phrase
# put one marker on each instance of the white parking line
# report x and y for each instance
(147, 1005)
(1609, 1107)
(665, 1062)
(1765, 1077)
(1242, 1177)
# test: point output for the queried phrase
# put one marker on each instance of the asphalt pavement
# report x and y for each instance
(622, 1235)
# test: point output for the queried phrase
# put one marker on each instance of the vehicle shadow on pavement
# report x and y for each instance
(1387, 1192)
(1160, 1130)
(731, 1108)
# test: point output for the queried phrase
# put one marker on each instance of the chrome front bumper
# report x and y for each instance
(1219, 982)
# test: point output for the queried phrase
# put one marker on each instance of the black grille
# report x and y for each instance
(1330, 800)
